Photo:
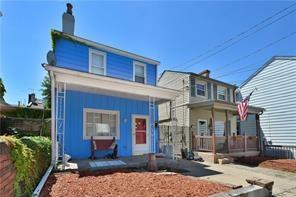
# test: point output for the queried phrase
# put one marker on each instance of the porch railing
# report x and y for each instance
(236, 143)
(225, 144)
(203, 143)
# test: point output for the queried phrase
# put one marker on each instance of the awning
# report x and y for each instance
(109, 84)
(223, 105)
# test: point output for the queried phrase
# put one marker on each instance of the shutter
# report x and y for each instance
(192, 86)
(209, 88)
(229, 127)
(215, 91)
(228, 94)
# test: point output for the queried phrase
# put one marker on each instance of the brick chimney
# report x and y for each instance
(68, 20)
(205, 73)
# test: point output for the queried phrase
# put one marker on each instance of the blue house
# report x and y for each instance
(104, 92)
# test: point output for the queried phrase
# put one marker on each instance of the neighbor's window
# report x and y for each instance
(202, 127)
(97, 62)
(221, 93)
(200, 89)
(139, 72)
(100, 123)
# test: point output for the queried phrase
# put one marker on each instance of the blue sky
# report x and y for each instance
(171, 32)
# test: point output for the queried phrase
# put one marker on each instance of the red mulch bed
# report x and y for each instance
(128, 184)
(288, 165)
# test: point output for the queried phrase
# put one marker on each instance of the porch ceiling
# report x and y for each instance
(105, 84)
(222, 105)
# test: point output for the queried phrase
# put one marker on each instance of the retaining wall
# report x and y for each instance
(7, 171)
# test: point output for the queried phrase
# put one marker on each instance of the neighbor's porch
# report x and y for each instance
(222, 133)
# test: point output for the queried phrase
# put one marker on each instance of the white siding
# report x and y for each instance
(276, 85)
(174, 80)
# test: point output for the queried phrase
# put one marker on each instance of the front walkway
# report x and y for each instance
(192, 168)
(284, 182)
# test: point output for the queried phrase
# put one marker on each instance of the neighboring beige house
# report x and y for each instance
(208, 108)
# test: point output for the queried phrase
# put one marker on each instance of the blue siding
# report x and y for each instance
(71, 55)
(74, 56)
(76, 101)
(151, 74)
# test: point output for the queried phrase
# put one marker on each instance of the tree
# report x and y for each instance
(2, 90)
(46, 90)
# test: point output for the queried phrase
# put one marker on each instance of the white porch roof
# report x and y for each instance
(223, 105)
(117, 87)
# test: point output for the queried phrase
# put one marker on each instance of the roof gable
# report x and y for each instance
(197, 75)
(55, 34)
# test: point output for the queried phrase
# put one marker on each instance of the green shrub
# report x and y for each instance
(31, 157)
(41, 152)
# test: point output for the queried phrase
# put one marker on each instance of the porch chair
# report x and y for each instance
(103, 144)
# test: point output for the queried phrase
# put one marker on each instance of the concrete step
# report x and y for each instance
(226, 160)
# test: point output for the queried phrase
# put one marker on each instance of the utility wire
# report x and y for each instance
(257, 51)
(254, 27)
(247, 56)
(233, 43)
(236, 72)
(242, 33)
(254, 64)
(286, 63)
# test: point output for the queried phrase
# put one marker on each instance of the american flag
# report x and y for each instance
(242, 107)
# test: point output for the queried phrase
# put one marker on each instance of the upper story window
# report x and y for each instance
(200, 89)
(139, 72)
(221, 93)
(101, 124)
(97, 62)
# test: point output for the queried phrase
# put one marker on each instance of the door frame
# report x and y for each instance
(197, 126)
(134, 151)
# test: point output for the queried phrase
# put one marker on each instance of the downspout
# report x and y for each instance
(53, 136)
(40, 185)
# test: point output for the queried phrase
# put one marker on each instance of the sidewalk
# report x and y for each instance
(284, 182)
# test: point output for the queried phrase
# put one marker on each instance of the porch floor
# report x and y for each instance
(122, 162)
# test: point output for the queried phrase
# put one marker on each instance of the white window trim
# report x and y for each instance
(93, 51)
(117, 113)
(206, 89)
(221, 87)
(134, 70)
(198, 125)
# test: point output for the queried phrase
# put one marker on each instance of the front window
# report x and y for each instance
(139, 72)
(100, 123)
(221, 93)
(200, 89)
(97, 62)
